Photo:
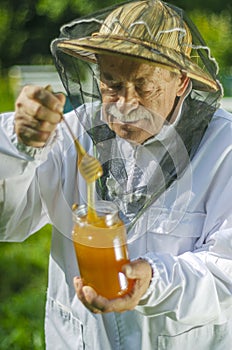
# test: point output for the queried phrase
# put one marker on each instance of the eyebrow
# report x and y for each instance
(107, 76)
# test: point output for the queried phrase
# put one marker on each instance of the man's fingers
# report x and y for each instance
(78, 284)
(86, 295)
(141, 273)
(32, 137)
(49, 109)
(102, 304)
(45, 97)
(37, 113)
(61, 97)
(96, 301)
(30, 129)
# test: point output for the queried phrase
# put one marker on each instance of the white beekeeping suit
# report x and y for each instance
(173, 191)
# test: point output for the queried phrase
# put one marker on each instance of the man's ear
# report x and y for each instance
(184, 81)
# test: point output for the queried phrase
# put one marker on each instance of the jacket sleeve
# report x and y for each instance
(195, 287)
(21, 211)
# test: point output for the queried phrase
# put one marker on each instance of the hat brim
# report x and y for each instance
(87, 48)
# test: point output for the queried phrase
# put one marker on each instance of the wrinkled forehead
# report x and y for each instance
(116, 67)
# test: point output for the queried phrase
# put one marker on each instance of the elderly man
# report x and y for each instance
(152, 119)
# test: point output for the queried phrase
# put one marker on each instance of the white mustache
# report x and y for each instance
(135, 115)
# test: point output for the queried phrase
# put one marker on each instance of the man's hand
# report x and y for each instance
(37, 113)
(139, 270)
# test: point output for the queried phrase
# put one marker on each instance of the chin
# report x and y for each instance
(133, 132)
(134, 136)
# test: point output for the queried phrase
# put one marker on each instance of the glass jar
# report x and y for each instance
(101, 250)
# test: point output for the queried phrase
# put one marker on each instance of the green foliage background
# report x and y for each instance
(23, 276)
(28, 26)
(26, 30)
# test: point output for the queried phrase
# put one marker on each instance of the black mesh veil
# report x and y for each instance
(151, 32)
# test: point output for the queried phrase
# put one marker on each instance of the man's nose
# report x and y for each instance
(128, 99)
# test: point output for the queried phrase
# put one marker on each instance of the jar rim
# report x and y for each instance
(103, 208)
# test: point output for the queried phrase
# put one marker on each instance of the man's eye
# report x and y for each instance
(115, 87)
(145, 88)
(112, 89)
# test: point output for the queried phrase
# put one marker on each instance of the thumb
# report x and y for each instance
(128, 270)
(138, 269)
(61, 97)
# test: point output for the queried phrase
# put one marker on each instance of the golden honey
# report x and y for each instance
(100, 245)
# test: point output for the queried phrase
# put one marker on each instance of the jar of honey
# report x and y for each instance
(101, 250)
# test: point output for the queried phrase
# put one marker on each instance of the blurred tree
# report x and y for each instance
(28, 26)
(216, 29)
(210, 5)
